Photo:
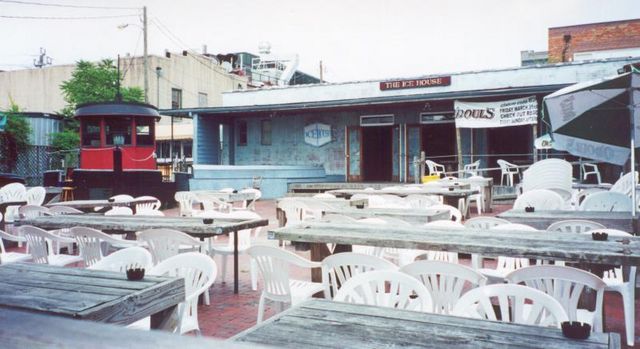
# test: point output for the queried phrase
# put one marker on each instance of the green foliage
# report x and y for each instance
(15, 139)
(90, 83)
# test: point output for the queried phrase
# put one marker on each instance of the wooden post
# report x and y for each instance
(422, 164)
(534, 129)
(459, 146)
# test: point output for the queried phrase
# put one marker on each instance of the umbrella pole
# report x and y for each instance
(634, 203)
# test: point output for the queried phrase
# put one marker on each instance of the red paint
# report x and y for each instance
(416, 83)
(133, 158)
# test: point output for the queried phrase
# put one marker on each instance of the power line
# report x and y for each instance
(69, 6)
(66, 18)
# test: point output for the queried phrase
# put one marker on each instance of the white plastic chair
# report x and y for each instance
(386, 288)
(419, 201)
(166, 243)
(508, 170)
(127, 258)
(540, 199)
(455, 214)
(119, 211)
(35, 196)
(472, 168)
(615, 282)
(40, 247)
(324, 196)
(435, 168)
(244, 242)
(61, 210)
(589, 169)
(444, 256)
(340, 267)
(574, 226)
(185, 200)
(273, 263)
(482, 222)
(11, 257)
(12, 192)
(505, 265)
(148, 208)
(251, 204)
(550, 174)
(509, 301)
(607, 201)
(624, 185)
(199, 272)
(91, 242)
(445, 282)
(566, 285)
(33, 211)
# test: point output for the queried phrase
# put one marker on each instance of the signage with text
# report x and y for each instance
(317, 134)
(416, 83)
(513, 112)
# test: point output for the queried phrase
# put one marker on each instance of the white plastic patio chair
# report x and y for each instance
(506, 265)
(12, 192)
(455, 214)
(91, 243)
(419, 201)
(185, 200)
(551, 174)
(396, 255)
(445, 282)
(199, 272)
(33, 211)
(340, 267)
(624, 185)
(508, 170)
(435, 168)
(35, 196)
(324, 196)
(472, 168)
(386, 288)
(273, 263)
(40, 247)
(566, 285)
(148, 208)
(119, 211)
(484, 222)
(127, 258)
(507, 302)
(615, 282)
(589, 169)
(11, 257)
(574, 226)
(443, 256)
(250, 204)
(166, 243)
(117, 198)
(607, 201)
(540, 199)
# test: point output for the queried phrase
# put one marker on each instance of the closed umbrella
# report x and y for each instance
(598, 119)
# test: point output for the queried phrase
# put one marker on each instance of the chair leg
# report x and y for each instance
(254, 275)
(207, 300)
(629, 313)
(224, 268)
(261, 308)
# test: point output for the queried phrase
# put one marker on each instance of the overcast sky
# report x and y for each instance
(356, 40)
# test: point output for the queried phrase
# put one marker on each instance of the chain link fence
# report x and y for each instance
(35, 160)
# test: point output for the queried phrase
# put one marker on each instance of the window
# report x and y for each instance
(144, 132)
(436, 118)
(203, 99)
(176, 98)
(187, 148)
(377, 120)
(91, 133)
(265, 132)
(242, 132)
(118, 131)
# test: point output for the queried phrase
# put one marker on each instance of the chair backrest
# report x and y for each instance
(165, 243)
(624, 185)
(185, 200)
(445, 281)
(32, 211)
(484, 222)
(324, 196)
(39, 242)
(553, 174)
(506, 264)
(257, 194)
(455, 214)
(574, 226)
(273, 264)
(565, 284)
(472, 168)
(61, 210)
(13, 192)
(386, 288)
(121, 198)
(340, 267)
(505, 164)
(126, 258)
(445, 225)
(148, 206)
(90, 242)
(513, 226)
(421, 201)
(119, 211)
(540, 199)
(506, 302)
(295, 211)
(244, 236)
(609, 201)
(435, 168)
(317, 207)
(35, 196)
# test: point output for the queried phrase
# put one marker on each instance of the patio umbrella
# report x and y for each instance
(598, 119)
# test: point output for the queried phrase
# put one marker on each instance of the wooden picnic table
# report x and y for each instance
(413, 216)
(542, 219)
(131, 224)
(223, 196)
(604, 186)
(322, 323)
(569, 247)
(3, 210)
(450, 197)
(88, 205)
(338, 203)
(101, 296)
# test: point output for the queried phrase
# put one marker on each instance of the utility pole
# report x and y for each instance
(146, 57)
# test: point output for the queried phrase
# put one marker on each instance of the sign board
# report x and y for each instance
(3, 122)
(317, 134)
(416, 83)
(513, 112)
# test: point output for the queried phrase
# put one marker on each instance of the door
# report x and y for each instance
(377, 153)
(352, 154)
(413, 143)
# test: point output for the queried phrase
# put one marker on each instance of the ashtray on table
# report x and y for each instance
(599, 236)
(576, 329)
(135, 274)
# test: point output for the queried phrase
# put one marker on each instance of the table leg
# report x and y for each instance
(166, 320)
(235, 262)
(320, 251)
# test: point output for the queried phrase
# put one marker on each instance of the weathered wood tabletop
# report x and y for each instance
(326, 324)
(336, 202)
(414, 216)
(542, 219)
(130, 224)
(19, 329)
(90, 294)
(450, 197)
(90, 204)
(223, 196)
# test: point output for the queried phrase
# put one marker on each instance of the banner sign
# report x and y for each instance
(3, 122)
(513, 112)
(416, 83)
(317, 134)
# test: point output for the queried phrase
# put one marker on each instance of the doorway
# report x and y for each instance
(439, 143)
(377, 149)
(513, 144)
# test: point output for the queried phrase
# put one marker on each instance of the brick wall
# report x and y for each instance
(593, 37)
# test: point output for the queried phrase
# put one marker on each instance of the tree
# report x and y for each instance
(90, 83)
(15, 139)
